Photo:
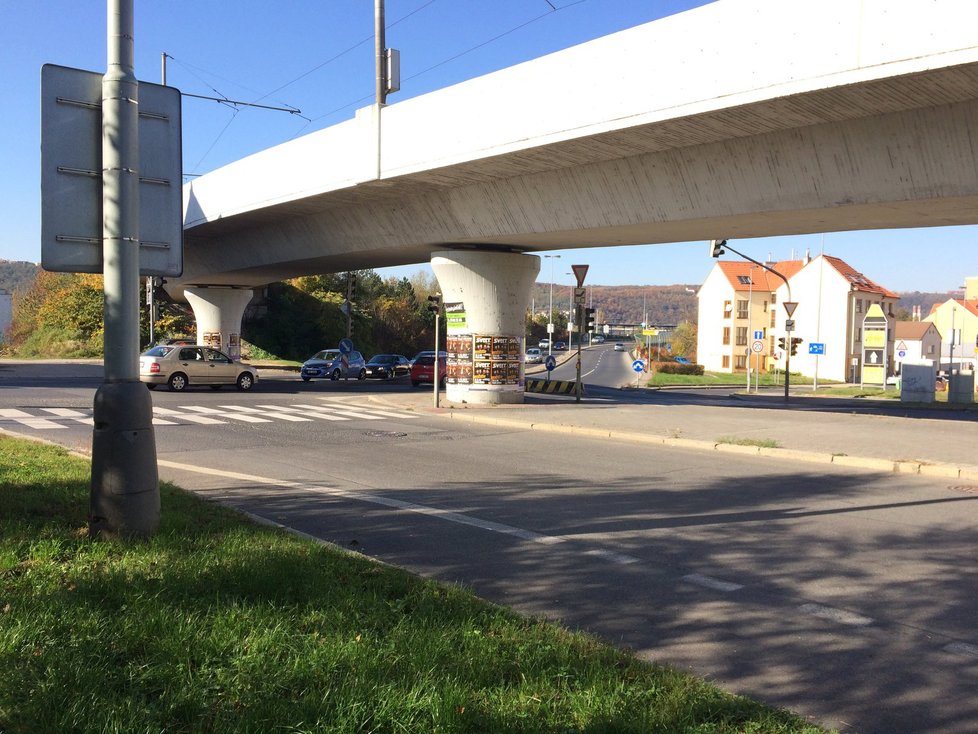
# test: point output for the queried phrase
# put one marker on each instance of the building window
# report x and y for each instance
(774, 298)
(765, 306)
(741, 336)
(741, 362)
(859, 305)
(726, 361)
(770, 344)
(726, 335)
(741, 309)
(744, 280)
(726, 309)
(859, 335)
(930, 349)
(773, 317)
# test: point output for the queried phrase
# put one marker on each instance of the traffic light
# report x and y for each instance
(434, 303)
(781, 343)
(351, 285)
(589, 320)
(716, 247)
(795, 341)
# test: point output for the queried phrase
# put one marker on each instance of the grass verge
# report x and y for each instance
(221, 625)
(764, 443)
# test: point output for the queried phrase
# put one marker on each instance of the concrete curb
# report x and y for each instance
(865, 463)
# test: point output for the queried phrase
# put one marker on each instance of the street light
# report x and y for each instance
(550, 314)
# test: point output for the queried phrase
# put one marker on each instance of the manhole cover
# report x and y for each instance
(384, 434)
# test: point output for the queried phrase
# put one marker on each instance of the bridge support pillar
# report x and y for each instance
(219, 312)
(486, 295)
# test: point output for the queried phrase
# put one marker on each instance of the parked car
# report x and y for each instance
(423, 368)
(334, 364)
(560, 346)
(682, 360)
(534, 355)
(388, 366)
(179, 366)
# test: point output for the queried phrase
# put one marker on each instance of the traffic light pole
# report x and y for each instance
(716, 249)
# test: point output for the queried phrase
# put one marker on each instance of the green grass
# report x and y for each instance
(764, 443)
(220, 625)
(767, 379)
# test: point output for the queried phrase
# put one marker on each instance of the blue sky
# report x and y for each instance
(318, 57)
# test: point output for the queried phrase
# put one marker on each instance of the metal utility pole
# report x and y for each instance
(379, 51)
(125, 495)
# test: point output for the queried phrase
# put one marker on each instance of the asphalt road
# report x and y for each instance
(844, 595)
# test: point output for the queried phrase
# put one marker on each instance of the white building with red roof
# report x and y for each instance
(741, 304)
(957, 320)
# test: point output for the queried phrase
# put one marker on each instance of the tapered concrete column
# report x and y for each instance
(218, 312)
(486, 295)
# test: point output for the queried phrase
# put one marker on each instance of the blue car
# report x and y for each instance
(682, 360)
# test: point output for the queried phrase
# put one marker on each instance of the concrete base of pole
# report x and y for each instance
(125, 497)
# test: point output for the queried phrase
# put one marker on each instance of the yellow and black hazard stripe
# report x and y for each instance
(552, 387)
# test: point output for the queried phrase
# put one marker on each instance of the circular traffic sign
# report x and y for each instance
(346, 346)
(757, 346)
(550, 362)
(638, 365)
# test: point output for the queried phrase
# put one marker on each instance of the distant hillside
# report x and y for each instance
(17, 275)
(626, 304)
(924, 300)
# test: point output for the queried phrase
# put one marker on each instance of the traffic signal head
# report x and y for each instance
(589, 320)
(716, 247)
(351, 285)
(781, 343)
(795, 341)
(434, 303)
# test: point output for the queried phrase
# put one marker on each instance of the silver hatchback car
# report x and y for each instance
(333, 364)
(178, 366)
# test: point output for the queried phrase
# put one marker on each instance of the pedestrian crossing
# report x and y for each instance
(45, 419)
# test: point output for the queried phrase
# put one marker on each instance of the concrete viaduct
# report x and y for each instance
(741, 118)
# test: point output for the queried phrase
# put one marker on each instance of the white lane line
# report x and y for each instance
(75, 415)
(836, 615)
(711, 583)
(26, 419)
(268, 411)
(962, 648)
(201, 419)
(622, 559)
(353, 411)
(225, 414)
(313, 410)
(163, 422)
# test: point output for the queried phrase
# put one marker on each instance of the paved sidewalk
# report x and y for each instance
(820, 430)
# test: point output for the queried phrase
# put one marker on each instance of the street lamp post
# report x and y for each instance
(550, 313)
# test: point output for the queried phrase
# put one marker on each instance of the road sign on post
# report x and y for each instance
(72, 180)
(580, 272)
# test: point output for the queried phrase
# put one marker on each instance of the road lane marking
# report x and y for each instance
(75, 415)
(226, 414)
(371, 410)
(28, 420)
(711, 583)
(269, 411)
(314, 410)
(962, 648)
(201, 419)
(833, 614)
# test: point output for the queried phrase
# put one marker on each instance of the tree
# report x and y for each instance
(684, 340)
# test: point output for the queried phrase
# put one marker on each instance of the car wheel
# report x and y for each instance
(306, 379)
(362, 375)
(245, 381)
(334, 375)
(415, 382)
(150, 387)
(177, 382)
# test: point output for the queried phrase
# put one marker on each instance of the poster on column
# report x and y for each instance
(875, 346)
(459, 364)
(455, 319)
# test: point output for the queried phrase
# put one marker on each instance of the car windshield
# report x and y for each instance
(425, 359)
(327, 355)
(383, 359)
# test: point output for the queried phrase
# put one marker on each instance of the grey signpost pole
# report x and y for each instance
(125, 497)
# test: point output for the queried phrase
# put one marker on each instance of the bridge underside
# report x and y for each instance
(901, 153)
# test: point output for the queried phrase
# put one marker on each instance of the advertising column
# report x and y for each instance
(875, 339)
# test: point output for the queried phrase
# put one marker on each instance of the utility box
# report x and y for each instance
(917, 381)
(961, 387)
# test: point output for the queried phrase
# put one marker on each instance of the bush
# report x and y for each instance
(674, 368)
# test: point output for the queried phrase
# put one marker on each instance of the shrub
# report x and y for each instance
(674, 368)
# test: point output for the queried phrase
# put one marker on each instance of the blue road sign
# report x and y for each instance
(816, 347)
(550, 362)
(638, 365)
(346, 346)
(758, 334)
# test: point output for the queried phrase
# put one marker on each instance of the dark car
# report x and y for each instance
(423, 368)
(560, 346)
(388, 366)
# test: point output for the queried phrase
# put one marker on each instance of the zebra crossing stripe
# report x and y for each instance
(341, 409)
(75, 415)
(201, 419)
(270, 411)
(27, 419)
(373, 411)
(226, 414)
